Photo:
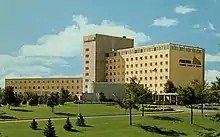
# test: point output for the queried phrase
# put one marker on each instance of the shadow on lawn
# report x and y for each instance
(73, 130)
(64, 114)
(174, 119)
(21, 110)
(7, 117)
(207, 129)
(155, 129)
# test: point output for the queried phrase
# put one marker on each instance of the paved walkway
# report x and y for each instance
(90, 116)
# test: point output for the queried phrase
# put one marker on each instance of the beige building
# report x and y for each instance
(45, 85)
(114, 60)
(94, 49)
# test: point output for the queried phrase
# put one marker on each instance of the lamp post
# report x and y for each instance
(78, 104)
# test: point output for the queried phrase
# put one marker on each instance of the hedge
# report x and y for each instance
(204, 107)
(157, 109)
(94, 102)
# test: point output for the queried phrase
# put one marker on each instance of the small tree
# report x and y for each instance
(53, 101)
(80, 120)
(49, 130)
(34, 100)
(65, 96)
(9, 96)
(102, 97)
(68, 126)
(169, 87)
(130, 97)
(34, 125)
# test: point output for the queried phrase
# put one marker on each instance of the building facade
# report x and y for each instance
(45, 85)
(155, 64)
(115, 60)
(94, 49)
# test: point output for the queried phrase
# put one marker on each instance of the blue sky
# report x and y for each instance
(44, 38)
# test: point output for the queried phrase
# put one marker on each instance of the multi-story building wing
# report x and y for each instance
(94, 49)
(45, 85)
(154, 65)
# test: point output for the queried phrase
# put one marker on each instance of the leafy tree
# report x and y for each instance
(18, 100)
(65, 96)
(201, 91)
(34, 100)
(49, 130)
(34, 125)
(75, 98)
(130, 99)
(9, 96)
(144, 95)
(53, 101)
(169, 87)
(102, 97)
(28, 95)
(80, 120)
(187, 95)
(68, 126)
(216, 84)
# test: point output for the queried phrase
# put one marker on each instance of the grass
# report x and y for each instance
(174, 125)
(70, 109)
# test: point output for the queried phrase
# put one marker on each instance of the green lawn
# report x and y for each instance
(161, 125)
(70, 109)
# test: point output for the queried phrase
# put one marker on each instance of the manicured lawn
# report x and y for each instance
(70, 109)
(161, 125)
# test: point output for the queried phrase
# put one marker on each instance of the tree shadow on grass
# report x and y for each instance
(21, 110)
(64, 114)
(7, 117)
(154, 129)
(174, 119)
(73, 130)
(207, 129)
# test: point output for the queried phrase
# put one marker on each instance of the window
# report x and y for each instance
(166, 70)
(156, 78)
(150, 85)
(145, 71)
(161, 77)
(106, 61)
(106, 74)
(166, 62)
(114, 60)
(155, 56)
(106, 68)
(110, 73)
(166, 77)
(161, 70)
(145, 78)
(140, 71)
(33, 87)
(87, 55)
(161, 56)
(88, 68)
(131, 72)
(141, 58)
(131, 59)
(155, 85)
(110, 80)
(140, 78)
(127, 59)
(132, 65)
(86, 74)
(145, 64)
(87, 49)
(150, 78)
(150, 57)
(38, 87)
(145, 57)
(155, 63)
(87, 61)
(43, 87)
(166, 55)
(114, 67)
(86, 86)
(161, 85)
(141, 65)
(161, 63)
(136, 65)
(136, 72)
(136, 58)
(87, 80)
(110, 67)
(150, 64)
(114, 73)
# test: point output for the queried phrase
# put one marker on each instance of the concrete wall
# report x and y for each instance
(109, 90)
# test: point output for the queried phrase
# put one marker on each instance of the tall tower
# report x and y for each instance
(95, 48)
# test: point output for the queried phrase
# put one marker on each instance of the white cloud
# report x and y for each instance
(218, 35)
(69, 42)
(20, 66)
(212, 58)
(165, 22)
(211, 26)
(184, 9)
(210, 75)
(196, 26)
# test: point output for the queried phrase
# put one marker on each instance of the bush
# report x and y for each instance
(155, 108)
(34, 100)
(24, 101)
(80, 120)
(34, 125)
(94, 102)
(17, 101)
(68, 126)
(204, 107)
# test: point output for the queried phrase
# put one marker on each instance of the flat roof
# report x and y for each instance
(41, 78)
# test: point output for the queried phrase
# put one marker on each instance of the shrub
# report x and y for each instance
(24, 101)
(34, 125)
(80, 120)
(68, 126)
(157, 109)
(204, 107)
(34, 100)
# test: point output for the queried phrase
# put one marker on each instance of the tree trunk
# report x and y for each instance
(130, 115)
(191, 120)
(52, 108)
(142, 105)
(202, 109)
